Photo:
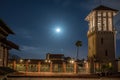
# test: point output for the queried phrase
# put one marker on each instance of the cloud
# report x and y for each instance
(31, 51)
(28, 48)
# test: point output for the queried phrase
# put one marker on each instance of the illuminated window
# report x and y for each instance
(90, 26)
(104, 24)
(93, 23)
(104, 14)
(99, 21)
(110, 24)
(110, 64)
(109, 14)
(99, 13)
(99, 24)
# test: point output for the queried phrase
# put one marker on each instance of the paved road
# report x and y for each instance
(63, 79)
(57, 76)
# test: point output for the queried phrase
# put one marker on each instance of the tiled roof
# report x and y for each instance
(101, 7)
(10, 43)
(5, 27)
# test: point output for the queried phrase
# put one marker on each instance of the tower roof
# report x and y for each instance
(5, 27)
(101, 7)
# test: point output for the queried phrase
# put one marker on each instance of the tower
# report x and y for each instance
(101, 39)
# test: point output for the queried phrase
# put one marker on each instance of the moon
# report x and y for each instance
(58, 30)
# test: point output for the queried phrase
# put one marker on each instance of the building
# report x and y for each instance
(52, 63)
(101, 39)
(5, 45)
(54, 56)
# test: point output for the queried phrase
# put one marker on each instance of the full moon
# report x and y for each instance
(58, 30)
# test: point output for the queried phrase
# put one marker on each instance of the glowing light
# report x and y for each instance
(58, 30)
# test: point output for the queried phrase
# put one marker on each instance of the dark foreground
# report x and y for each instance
(60, 76)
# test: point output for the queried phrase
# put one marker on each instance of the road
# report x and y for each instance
(63, 79)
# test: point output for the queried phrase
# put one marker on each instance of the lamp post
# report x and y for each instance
(72, 63)
(27, 65)
(21, 62)
(50, 64)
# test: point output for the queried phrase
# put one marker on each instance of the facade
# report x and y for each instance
(52, 63)
(54, 56)
(101, 40)
(5, 45)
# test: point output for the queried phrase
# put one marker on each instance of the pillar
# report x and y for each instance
(14, 65)
(5, 57)
(39, 65)
(26, 65)
(50, 66)
(64, 67)
(75, 67)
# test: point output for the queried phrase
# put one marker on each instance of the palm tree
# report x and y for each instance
(78, 44)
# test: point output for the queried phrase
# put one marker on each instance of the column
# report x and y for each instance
(14, 65)
(5, 55)
(50, 66)
(94, 67)
(26, 65)
(39, 64)
(64, 67)
(75, 67)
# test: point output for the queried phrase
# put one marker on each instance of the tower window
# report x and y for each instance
(99, 24)
(104, 24)
(106, 53)
(101, 40)
(110, 24)
(109, 14)
(104, 14)
(99, 21)
(99, 13)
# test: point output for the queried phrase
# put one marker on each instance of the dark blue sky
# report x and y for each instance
(35, 21)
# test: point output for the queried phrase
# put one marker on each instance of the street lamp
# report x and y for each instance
(47, 61)
(71, 64)
(72, 61)
(21, 60)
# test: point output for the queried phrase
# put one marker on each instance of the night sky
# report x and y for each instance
(35, 21)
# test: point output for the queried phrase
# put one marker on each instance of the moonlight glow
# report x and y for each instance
(58, 30)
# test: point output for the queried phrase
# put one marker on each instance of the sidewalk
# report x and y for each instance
(59, 75)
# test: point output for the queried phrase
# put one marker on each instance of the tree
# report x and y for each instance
(78, 44)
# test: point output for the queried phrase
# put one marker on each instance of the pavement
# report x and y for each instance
(59, 75)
